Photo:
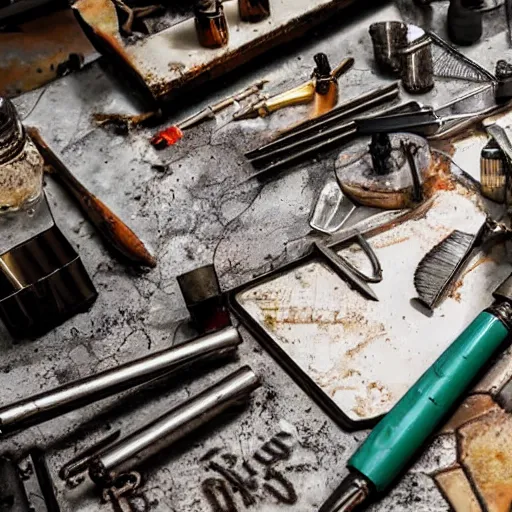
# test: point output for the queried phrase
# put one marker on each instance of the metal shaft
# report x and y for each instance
(178, 422)
(45, 406)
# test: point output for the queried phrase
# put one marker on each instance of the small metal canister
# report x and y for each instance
(417, 66)
(254, 11)
(211, 24)
(202, 293)
(493, 172)
(389, 38)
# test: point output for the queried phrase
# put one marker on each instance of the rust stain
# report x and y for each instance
(306, 315)
(350, 373)
(480, 261)
(455, 291)
(366, 406)
(389, 243)
(486, 455)
(440, 176)
(364, 344)
(31, 57)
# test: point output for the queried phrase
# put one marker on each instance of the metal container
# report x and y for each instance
(178, 422)
(493, 172)
(417, 66)
(43, 281)
(389, 38)
(21, 165)
(201, 290)
(254, 11)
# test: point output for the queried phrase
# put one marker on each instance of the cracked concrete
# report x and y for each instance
(193, 204)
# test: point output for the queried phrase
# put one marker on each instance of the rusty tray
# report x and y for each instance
(162, 63)
(357, 357)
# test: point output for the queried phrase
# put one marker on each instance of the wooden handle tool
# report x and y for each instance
(109, 225)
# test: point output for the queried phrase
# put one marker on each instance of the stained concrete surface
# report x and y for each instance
(193, 204)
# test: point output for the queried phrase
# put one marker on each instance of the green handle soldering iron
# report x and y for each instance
(403, 431)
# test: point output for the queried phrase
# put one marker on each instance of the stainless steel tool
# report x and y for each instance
(46, 406)
(124, 455)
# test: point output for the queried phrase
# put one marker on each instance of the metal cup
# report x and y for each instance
(417, 66)
(389, 37)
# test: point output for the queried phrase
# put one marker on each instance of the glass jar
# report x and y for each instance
(21, 164)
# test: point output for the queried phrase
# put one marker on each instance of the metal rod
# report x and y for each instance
(417, 190)
(329, 143)
(341, 113)
(174, 425)
(211, 110)
(45, 406)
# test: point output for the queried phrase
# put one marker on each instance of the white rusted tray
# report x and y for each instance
(359, 357)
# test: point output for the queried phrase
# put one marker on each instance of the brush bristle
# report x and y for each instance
(438, 268)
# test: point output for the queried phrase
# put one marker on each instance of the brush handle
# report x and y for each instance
(402, 432)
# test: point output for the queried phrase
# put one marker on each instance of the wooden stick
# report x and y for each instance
(109, 225)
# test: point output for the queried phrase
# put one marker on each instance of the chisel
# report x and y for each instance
(398, 437)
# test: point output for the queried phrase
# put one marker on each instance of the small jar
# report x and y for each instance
(254, 11)
(211, 24)
(21, 164)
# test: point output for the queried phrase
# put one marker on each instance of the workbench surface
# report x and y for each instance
(192, 204)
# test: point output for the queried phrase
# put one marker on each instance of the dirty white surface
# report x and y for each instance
(363, 354)
(167, 55)
(192, 205)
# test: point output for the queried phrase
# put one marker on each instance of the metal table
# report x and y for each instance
(192, 205)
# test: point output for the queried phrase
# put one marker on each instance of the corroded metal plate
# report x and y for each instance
(365, 355)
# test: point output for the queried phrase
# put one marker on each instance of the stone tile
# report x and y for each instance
(456, 488)
(486, 455)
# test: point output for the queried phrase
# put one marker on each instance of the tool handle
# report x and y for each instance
(402, 432)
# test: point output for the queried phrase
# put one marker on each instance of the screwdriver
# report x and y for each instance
(402, 432)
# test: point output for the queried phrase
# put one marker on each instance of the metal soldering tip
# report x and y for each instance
(353, 491)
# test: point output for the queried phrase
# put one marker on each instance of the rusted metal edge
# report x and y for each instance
(162, 91)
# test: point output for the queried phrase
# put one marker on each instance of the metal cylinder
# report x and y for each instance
(389, 37)
(417, 66)
(493, 172)
(202, 293)
(49, 405)
(211, 24)
(180, 421)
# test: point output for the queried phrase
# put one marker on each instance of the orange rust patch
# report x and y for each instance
(440, 177)
(473, 407)
(389, 243)
(486, 454)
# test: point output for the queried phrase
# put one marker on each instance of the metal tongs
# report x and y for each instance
(425, 122)
(349, 272)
